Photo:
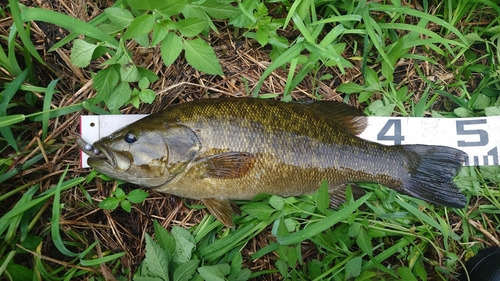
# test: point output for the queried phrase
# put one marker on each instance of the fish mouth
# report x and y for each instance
(104, 155)
(98, 154)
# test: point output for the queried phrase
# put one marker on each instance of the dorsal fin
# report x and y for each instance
(342, 115)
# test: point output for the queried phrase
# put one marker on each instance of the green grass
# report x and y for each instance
(451, 49)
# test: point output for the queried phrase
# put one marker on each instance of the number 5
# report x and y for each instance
(483, 135)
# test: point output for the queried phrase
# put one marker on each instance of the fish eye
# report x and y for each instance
(129, 138)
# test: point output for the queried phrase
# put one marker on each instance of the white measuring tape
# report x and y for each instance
(479, 137)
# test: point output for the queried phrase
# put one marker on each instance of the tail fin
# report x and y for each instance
(432, 170)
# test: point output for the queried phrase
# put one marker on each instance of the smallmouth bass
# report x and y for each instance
(217, 150)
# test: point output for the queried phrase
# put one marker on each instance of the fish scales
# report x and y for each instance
(235, 148)
(294, 153)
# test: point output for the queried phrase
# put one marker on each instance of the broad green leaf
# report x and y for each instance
(143, 40)
(378, 108)
(160, 31)
(109, 203)
(242, 275)
(246, 16)
(143, 83)
(481, 102)
(218, 9)
(137, 196)
(129, 72)
(147, 278)
(119, 193)
(186, 271)
(30, 98)
(420, 271)
(135, 101)
(144, 72)
(353, 268)
(185, 244)
(119, 97)
(147, 96)
(354, 229)
(364, 96)
(315, 268)
(104, 82)
(371, 77)
(262, 36)
(109, 28)
(171, 48)
(141, 25)
(126, 206)
(322, 198)
(258, 210)
(81, 53)
(119, 17)
(388, 71)
(277, 202)
(191, 27)
(156, 260)
(236, 262)
(20, 272)
(202, 57)
(405, 274)
(215, 272)
(282, 268)
(148, 5)
(402, 94)
(164, 239)
(120, 57)
(463, 112)
(364, 242)
(173, 8)
(489, 111)
(195, 11)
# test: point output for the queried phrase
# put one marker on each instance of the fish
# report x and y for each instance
(222, 149)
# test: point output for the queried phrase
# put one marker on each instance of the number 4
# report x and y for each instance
(397, 137)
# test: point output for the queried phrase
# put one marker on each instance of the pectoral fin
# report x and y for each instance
(222, 209)
(228, 165)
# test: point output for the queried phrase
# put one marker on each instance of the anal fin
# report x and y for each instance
(222, 209)
(337, 194)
